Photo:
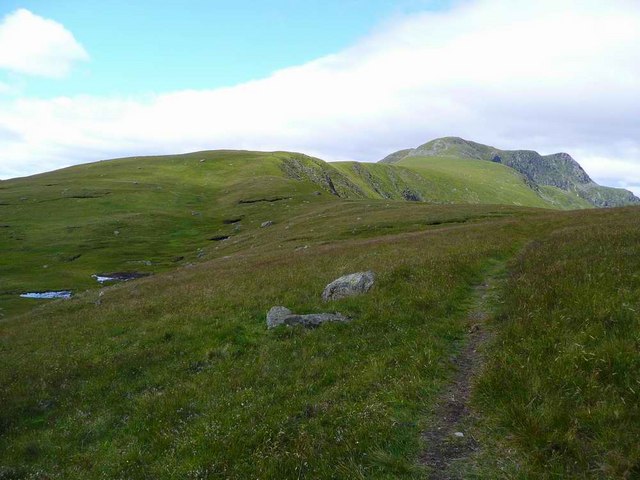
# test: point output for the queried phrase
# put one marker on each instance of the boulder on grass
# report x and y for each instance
(349, 286)
(276, 316)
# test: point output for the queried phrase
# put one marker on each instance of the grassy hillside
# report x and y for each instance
(176, 376)
(432, 180)
(442, 181)
(561, 388)
(151, 214)
(141, 214)
(469, 181)
(563, 199)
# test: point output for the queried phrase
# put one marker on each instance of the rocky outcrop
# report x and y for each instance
(304, 168)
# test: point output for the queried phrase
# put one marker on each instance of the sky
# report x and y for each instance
(82, 81)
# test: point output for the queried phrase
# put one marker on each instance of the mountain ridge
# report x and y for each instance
(558, 170)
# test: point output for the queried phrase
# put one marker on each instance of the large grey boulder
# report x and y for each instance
(283, 316)
(349, 286)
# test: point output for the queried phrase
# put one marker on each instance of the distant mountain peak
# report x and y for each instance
(558, 170)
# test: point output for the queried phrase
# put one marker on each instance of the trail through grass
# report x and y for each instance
(176, 376)
(449, 441)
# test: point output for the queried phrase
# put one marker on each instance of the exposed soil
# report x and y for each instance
(448, 441)
(257, 200)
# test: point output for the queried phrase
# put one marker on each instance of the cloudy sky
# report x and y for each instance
(340, 79)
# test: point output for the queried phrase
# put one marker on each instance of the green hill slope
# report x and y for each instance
(176, 375)
(149, 214)
(558, 170)
(138, 214)
(429, 180)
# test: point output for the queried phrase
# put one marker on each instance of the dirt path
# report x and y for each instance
(448, 441)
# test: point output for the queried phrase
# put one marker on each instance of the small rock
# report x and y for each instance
(276, 316)
(314, 319)
(459, 434)
(116, 232)
(202, 160)
(283, 316)
(349, 286)
(317, 193)
(268, 223)
(99, 299)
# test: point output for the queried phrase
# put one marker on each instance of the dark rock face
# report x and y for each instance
(349, 286)
(411, 196)
(267, 200)
(283, 316)
(558, 170)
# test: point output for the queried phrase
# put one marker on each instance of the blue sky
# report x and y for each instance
(160, 45)
(82, 81)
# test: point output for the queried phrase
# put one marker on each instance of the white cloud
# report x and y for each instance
(551, 75)
(37, 46)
